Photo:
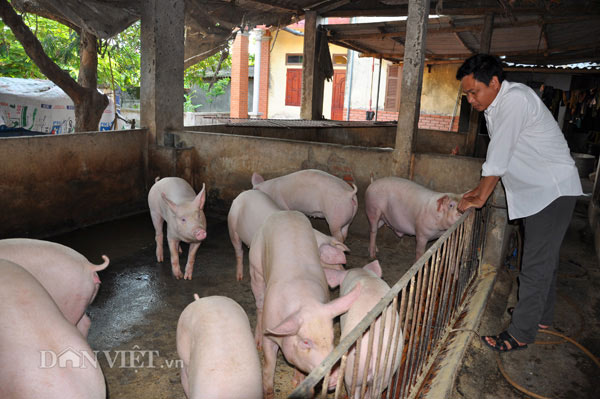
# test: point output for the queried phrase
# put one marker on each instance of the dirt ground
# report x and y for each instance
(135, 314)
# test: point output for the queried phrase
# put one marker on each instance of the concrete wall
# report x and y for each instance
(51, 184)
(225, 162)
(383, 135)
(440, 90)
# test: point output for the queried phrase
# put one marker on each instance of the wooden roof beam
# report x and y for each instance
(400, 27)
(402, 11)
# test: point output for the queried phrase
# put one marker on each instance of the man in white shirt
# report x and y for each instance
(528, 151)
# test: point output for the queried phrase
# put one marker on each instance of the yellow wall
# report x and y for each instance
(440, 90)
(287, 43)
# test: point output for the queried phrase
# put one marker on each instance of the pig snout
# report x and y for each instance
(200, 234)
(333, 377)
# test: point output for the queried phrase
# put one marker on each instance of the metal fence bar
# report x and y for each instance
(424, 303)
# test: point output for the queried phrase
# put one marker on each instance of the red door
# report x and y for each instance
(337, 102)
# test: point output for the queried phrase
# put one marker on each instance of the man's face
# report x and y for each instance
(480, 95)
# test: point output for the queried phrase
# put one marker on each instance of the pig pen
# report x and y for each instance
(134, 316)
(70, 182)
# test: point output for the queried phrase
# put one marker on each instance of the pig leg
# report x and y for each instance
(298, 377)
(239, 255)
(189, 266)
(157, 222)
(184, 381)
(174, 250)
(345, 231)
(336, 230)
(83, 325)
(375, 222)
(270, 349)
(258, 289)
(421, 243)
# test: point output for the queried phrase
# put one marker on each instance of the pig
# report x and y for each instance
(70, 279)
(293, 312)
(409, 208)
(248, 211)
(215, 343)
(314, 193)
(373, 288)
(173, 200)
(36, 340)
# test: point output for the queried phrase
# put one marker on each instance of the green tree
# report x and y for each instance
(118, 58)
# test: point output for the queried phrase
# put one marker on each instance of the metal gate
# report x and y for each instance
(426, 301)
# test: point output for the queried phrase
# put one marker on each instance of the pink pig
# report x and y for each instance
(292, 297)
(249, 210)
(42, 354)
(70, 279)
(215, 343)
(314, 193)
(409, 208)
(373, 288)
(173, 200)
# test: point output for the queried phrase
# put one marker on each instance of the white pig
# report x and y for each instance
(249, 210)
(42, 354)
(215, 343)
(409, 208)
(373, 288)
(70, 279)
(173, 200)
(314, 193)
(292, 297)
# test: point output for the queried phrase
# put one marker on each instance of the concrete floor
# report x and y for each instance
(549, 370)
(134, 316)
(139, 302)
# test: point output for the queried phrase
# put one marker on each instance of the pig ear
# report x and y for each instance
(334, 277)
(343, 303)
(375, 267)
(256, 179)
(200, 198)
(196, 297)
(331, 255)
(442, 201)
(340, 245)
(171, 204)
(289, 326)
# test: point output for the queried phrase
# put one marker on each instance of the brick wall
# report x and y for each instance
(239, 77)
(263, 101)
(435, 122)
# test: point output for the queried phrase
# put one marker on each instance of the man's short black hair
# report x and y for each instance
(483, 67)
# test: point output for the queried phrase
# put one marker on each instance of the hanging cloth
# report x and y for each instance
(324, 57)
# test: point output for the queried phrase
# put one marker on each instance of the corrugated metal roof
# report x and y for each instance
(524, 39)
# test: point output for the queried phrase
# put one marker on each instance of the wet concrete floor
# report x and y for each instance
(134, 317)
(552, 368)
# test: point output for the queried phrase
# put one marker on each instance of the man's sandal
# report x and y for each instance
(501, 341)
(512, 309)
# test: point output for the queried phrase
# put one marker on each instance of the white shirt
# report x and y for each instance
(528, 151)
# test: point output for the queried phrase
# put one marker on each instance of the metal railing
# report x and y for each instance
(420, 310)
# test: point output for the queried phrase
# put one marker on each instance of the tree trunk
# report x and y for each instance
(89, 103)
(92, 105)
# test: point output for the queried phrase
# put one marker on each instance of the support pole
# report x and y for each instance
(313, 81)
(475, 116)
(412, 80)
(161, 91)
